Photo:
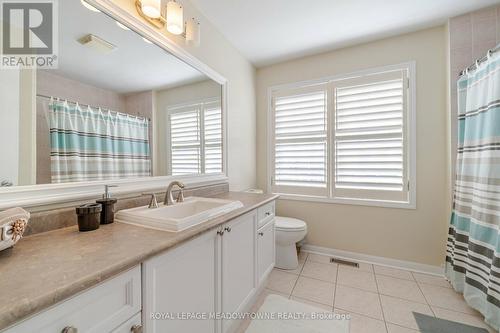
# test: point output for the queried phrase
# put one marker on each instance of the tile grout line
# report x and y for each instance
(298, 277)
(425, 298)
(309, 300)
(380, 300)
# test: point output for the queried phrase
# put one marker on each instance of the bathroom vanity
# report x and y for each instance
(125, 278)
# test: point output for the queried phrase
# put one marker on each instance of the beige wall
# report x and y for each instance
(413, 235)
(216, 52)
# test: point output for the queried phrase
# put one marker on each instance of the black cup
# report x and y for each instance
(89, 216)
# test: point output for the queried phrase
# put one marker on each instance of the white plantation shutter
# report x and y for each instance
(196, 138)
(300, 152)
(185, 142)
(213, 137)
(345, 140)
(370, 137)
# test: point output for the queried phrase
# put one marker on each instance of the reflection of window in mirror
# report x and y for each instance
(189, 129)
(195, 138)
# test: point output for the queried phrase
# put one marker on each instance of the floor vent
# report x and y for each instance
(344, 262)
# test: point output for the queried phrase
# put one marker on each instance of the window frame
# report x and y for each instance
(409, 135)
(199, 105)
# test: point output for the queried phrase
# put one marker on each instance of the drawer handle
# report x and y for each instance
(228, 229)
(268, 213)
(261, 234)
(69, 329)
(136, 329)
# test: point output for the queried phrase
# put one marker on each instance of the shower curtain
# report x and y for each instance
(91, 144)
(473, 249)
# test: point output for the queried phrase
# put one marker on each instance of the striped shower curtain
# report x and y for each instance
(473, 249)
(91, 144)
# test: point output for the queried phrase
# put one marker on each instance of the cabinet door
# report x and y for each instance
(265, 250)
(238, 265)
(182, 281)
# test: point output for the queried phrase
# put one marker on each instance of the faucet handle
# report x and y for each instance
(153, 203)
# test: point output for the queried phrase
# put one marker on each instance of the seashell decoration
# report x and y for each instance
(13, 223)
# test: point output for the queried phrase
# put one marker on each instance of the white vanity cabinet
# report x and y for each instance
(182, 281)
(265, 250)
(113, 306)
(218, 272)
(238, 265)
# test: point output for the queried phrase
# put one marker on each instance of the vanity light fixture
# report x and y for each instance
(170, 16)
(89, 6)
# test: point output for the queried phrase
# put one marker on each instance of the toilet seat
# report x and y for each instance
(289, 224)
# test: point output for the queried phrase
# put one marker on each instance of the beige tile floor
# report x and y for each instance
(379, 299)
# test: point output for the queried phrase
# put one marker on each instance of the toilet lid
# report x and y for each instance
(289, 224)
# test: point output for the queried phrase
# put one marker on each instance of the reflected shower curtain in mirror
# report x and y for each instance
(92, 144)
(473, 259)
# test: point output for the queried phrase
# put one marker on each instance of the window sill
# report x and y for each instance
(349, 201)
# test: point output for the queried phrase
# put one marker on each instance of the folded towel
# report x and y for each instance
(12, 225)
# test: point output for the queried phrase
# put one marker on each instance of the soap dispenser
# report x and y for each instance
(108, 206)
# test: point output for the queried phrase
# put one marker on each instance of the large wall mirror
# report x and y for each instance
(117, 107)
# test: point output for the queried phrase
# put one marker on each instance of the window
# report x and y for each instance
(195, 138)
(345, 139)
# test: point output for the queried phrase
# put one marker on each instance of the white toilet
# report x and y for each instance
(289, 231)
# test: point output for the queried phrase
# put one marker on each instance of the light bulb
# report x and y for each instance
(151, 8)
(175, 18)
(193, 31)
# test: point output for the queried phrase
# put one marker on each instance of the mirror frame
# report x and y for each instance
(50, 196)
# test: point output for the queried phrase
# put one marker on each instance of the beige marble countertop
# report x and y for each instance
(44, 269)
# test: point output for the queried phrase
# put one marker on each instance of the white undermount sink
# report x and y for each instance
(179, 216)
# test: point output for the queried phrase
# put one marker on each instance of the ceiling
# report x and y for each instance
(271, 31)
(132, 66)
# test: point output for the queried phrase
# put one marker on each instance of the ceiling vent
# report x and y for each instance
(96, 43)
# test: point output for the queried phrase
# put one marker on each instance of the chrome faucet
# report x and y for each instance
(169, 199)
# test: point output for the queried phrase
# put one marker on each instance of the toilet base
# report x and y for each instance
(286, 256)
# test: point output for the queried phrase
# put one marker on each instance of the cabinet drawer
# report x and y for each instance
(127, 326)
(265, 250)
(100, 309)
(265, 213)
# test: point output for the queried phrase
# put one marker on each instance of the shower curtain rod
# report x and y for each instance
(91, 106)
(480, 60)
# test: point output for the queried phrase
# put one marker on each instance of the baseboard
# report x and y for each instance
(369, 259)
